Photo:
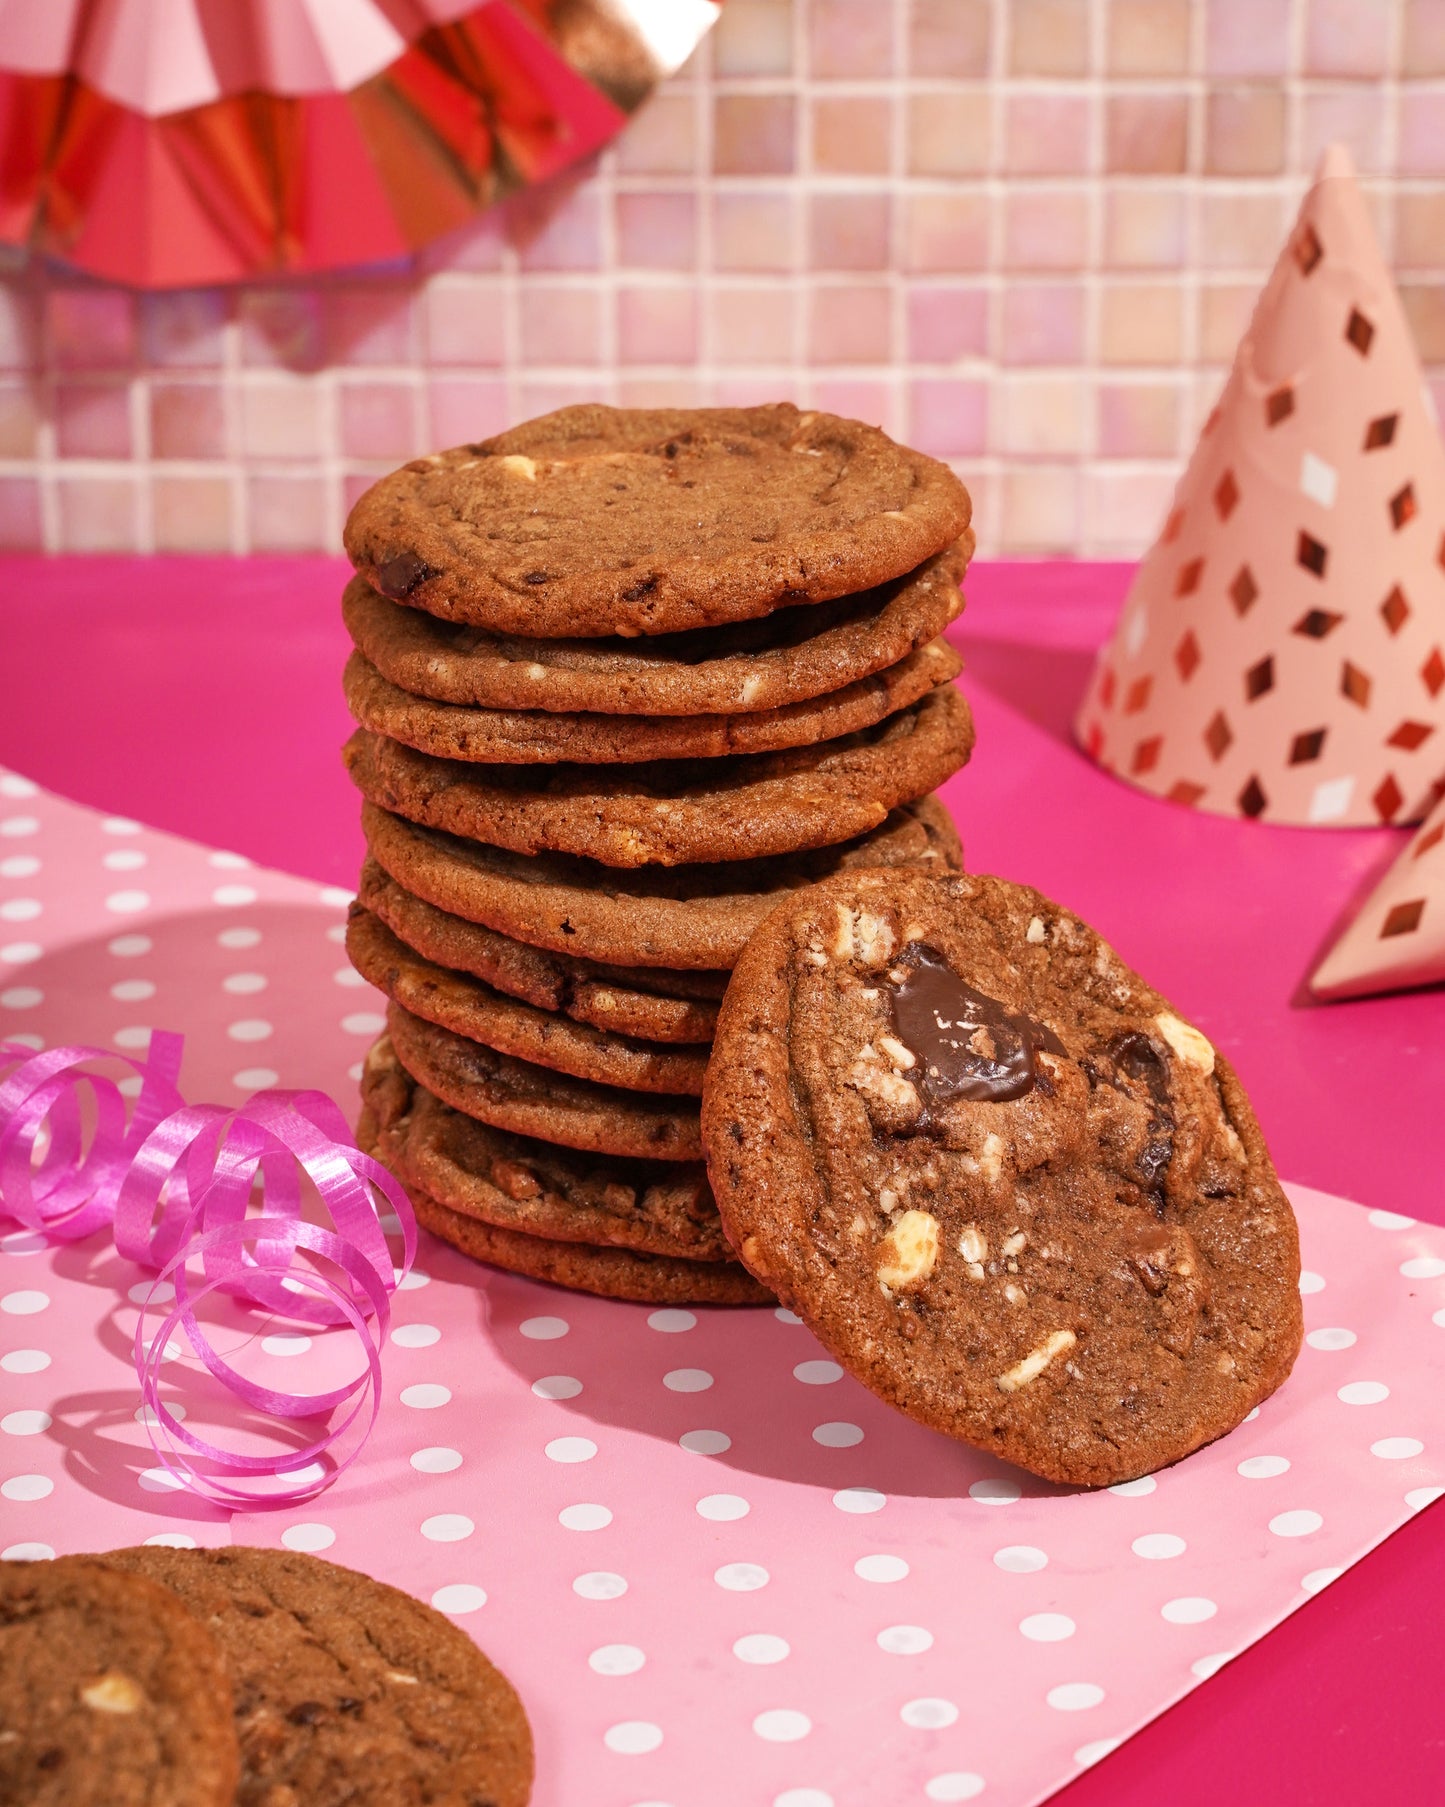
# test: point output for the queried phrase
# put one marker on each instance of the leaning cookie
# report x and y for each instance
(1003, 1181)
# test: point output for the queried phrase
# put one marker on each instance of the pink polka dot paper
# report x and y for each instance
(721, 1574)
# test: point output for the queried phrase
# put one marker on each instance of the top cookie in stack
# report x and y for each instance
(623, 679)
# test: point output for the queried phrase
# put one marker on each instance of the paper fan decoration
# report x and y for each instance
(175, 142)
(1281, 652)
(1397, 939)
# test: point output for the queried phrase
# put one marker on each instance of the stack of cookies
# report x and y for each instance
(624, 679)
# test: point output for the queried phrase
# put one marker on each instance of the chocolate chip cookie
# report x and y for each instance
(604, 521)
(111, 1694)
(348, 1693)
(1011, 1189)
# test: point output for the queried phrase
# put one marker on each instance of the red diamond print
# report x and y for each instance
(1317, 623)
(1410, 735)
(1381, 431)
(1311, 554)
(1217, 735)
(1354, 684)
(1433, 672)
(1307, 248)
(1137, 695)
(1243, 591)
(1359, 332)
(1404, 919)
(1172, 526)
(1094, 740)
(1106, 688)
(1188, 580)
(1427, 841)
(1146, 754)
(1258, 679)
(1403, 506)
(1440, 553)
(1395, 609)
(1186, 656)
(1186, 793)
(1226, 495)
(1306, 747)
(1387, 798)
(1252, 799)
(1278, 405)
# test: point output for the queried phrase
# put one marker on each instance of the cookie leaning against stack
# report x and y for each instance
(624, 678)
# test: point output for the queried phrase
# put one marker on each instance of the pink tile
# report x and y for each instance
(662, 138)
(380, 420)
(947, 323)
(949, 134)
(91, 329)
(1224, 312)
(856, 400)
(657, 231)
(682, 391)
(97, 514)
(192, 514)
(1242, 231)
(950, 38)
(1420, 229)
(754, 230)
(92, 420)
(19, 420)
(561, 325)
(948, 416)
(1043, 323)
(1038, 511)
(281, 328)
(371, 324)
(354, 485)
(464, 321)
(1138, 420)
(463, 409)
(849, 231)
(20, 525)
(1046, 134)
(542, 396)
(1141, 323)
(1244, 131)
(851, 324)
(1124, 509)
(186, 327)
(851, 134)
(479, 245)
(850, 38)
(752, 325)
(1145, 228)
(188, 420)
(283, 418)
(1146, 133)
(754, 37)
(1353, 116)
(752, 391)
(946, 232)
(1048, 37)
(559, 228)
(1148, 37)
(754, 134)
(1045, 228)
(1424, 304)
(1423, 51)
(19, 328)
(287, 514)
(1041, 415)
(1248, 37)
(1343, 37)
(1422, 136)
(657, 325)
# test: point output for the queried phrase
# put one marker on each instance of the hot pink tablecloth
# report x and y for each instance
(202, 696)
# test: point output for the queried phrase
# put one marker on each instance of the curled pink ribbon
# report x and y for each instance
(197, 1187)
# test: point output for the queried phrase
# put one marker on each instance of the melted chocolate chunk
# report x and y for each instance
(1136, 1057)
(399, 576)
(967, 1044)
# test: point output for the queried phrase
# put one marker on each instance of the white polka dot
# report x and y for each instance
(761, 1647)
(24, 1361)
(1391, 1220)
(782, 1725)
(426, 1396)
(721, 1507)
(1074, 1697)
(880, 1568)
(1332, 1338)
(459, 1597)
(1189, 1609)
(1135, 1490)
(13, 785)
(797, 1797)
(447, 1527)
(133, 991)
(233, 896)
(335, 897)
(415, 1336)
(241, 985)
(1438, 1317)
(1397, 1449)
(20, 909)
(363, 1022)
(285, 1344)
(28, 1552)
(27, 1487)
(159, 1480)
(238, 937)
(616, 1659)
(308, 1537)
(633, 1737)
(17, 827)
(860, 1499)
(838, 1434)
(147, 1415)
(37, 1042)
(1210, 1665)
(1423, 1267)
(22, 997)
(1318, 1579)
(250, 1029)
(672, 1321)
(905, 1640)
(1047, 1627)
(995, 1492)
(130, 947)
(557, 1386)
(1020, 1559)
(19, 865)
(1263, 1468)
(436, 1459)
(337, 932)
(155, 1292)
(124, 859)
(22, 1242)
(355, 1070)
(571, 1449)
(227, 862)
(1095, 1751)
(255, 1079)
(1363, 1392)
(171, 1540)
(705, 1443)
(687, 1380)
(584, 1518)
(1420, 1497)
(1310, 1282)
(784, 1316)
(24, 1304)
(741, 1577)
(1299, 1523)
(817, 1374)
(407, 1283)
(134, 1035)
(127, 903)
(120, 825)
(20, 953)
(928, 1715)
(1158, 1546)
(348, 976)
(599, 1585)
(954, 1785)
(543, 1330)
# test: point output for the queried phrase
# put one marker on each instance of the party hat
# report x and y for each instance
(1397, 939)
(1281, 652)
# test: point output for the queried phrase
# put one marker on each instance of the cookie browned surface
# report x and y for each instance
(348, 1693)
(535, 736)
(598, 520)
(654, 1004)
(783, 658)
(677, 812)
(1004, 1182)
(533, 1101)
(694, 918)
(111, 1694)
(466, 1006)
(519, 1183)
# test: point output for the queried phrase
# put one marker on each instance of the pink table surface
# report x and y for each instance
(202, 696)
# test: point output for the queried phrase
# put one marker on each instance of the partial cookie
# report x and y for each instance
(651, 1003)
(783, 658)
(694, 918)
(1003, 1181)
(468, 1007)
(111, 1694)
(598, 521)
(519, 1183)
(677, 812)
(537, 737)
(349, 1693)
(532, 1101)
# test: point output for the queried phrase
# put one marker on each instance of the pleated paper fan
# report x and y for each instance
(1281, 652)
(175, 142)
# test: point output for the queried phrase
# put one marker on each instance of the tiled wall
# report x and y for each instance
(1024, 234)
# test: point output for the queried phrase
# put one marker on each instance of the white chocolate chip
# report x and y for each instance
(112, 1693)
(1014, 1294)
(1103, 959)
(534, 672)
(1034, 1363)
(972, 1244)
(887, 1199)
(1015, 1244)
(751, 687)
(863, 936)
(1036, 930)
(990, 1159)
(869, 1075)
(1186, 1041)
(399, 1675)
(908, 1253)
(815, 956)
(519, 466)
(897, 1053)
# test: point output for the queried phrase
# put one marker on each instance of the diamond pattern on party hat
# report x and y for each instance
(1397, 937)
(1281, 652)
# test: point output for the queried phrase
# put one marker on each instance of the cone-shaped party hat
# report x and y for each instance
(1397, 939)
(1281, 652)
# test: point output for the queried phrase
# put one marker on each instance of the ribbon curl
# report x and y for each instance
(178, 1185)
